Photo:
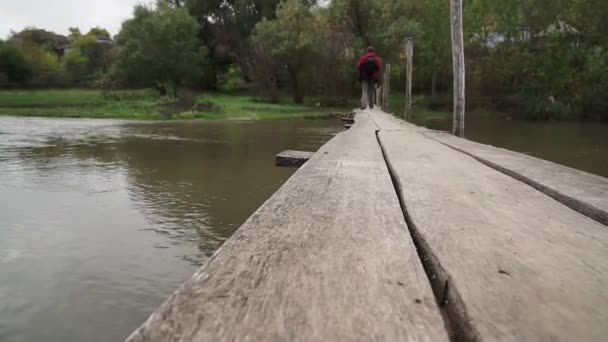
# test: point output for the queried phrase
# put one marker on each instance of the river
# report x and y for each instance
(578, 144)
(101, 220)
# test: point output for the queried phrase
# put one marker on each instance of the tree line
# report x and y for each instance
(542, 59)
(39, 58)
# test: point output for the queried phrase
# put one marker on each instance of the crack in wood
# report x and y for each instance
(451, 305)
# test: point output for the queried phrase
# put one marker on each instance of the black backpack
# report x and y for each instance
(370, 66)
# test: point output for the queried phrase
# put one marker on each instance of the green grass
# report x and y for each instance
(143, 105)
(49, 98)
(80, 103)
(244, 107)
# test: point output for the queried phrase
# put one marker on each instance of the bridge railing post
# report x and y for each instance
(459, 67)
(386, 88)
(409, 54)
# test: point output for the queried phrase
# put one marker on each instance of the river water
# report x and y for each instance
(100, 221)
(581, 145)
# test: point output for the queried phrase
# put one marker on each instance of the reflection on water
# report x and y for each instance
(581, 145)
(101, 220)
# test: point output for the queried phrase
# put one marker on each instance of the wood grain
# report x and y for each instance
(515, 265)
(409, 55)
(581, 191)
(387, 122)
(291, 158)
(458, 67)
(327, 258)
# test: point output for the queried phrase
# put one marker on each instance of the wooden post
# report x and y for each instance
(386, 88)
(409, 52)
(458, 65)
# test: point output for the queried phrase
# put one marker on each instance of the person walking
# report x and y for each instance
(369, 66)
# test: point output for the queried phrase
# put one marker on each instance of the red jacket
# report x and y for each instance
(378, 61)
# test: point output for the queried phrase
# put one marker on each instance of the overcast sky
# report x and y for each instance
(59, 15)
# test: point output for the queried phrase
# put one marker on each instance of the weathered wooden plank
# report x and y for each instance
(291, 158)
(512, 264)
(388, 122)
(327, 258)
(581, 191)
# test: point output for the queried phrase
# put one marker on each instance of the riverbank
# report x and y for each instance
(146, 105)
(436, 113)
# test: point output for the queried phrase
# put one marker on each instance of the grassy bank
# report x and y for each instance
(145, 105)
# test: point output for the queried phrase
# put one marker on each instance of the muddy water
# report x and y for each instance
(101, 220)
(581, 145)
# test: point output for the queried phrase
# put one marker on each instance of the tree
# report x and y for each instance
(44, 64)
(356, 17)
(74, 33)
(99, 32)
(433, 54)
(75, 65)
(14, 68)
(226, 27)
(46, 40)
(98, 52)
(159, 48)
(290, 39)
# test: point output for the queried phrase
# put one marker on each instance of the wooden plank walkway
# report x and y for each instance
(391, 232)
(327, 258)
(581, 191)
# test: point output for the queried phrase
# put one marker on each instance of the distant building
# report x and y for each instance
(57, 43)
(101, 40)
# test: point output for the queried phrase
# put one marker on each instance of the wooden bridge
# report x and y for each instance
(392, 232)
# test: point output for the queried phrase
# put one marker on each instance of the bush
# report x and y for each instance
(14, 68)
(537, 108)
(594, 83)
(232, 80)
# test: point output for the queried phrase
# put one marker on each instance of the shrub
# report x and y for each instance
(539, 108)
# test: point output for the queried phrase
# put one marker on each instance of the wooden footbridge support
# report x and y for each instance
(391, 232)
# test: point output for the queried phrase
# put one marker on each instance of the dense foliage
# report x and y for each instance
(537, 58)
(38, 58)
(158, 48)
